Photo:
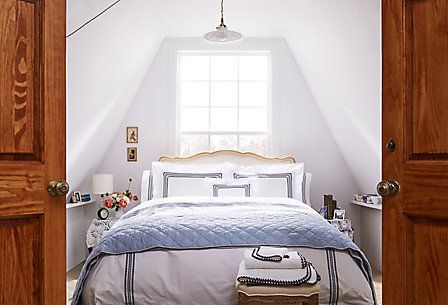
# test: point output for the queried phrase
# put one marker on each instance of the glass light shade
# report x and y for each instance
(102, 183)
(223, 34)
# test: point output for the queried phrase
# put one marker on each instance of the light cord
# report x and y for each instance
(222, 14)
(92, 19)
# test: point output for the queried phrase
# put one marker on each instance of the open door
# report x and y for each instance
(415, 117)
(32, 152)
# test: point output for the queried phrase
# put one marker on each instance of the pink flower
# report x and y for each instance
(108, 203)
(123, 203)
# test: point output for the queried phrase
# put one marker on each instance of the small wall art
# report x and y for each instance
(339, 214)
(132, 154)
(131, 134)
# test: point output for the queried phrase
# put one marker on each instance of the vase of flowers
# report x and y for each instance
(118, 201)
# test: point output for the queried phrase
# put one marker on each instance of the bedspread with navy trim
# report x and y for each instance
(214, 222)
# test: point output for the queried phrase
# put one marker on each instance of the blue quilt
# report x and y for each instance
(210, 222)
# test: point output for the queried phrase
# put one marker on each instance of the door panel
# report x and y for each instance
(32, 151)
(427, 267)
(426, 38)
(415, 110)
(20, 241)
(21, 115)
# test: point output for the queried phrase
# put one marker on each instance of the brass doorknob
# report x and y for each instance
(58, 188)
(388, 188)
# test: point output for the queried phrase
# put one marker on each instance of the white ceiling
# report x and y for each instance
(337, 44)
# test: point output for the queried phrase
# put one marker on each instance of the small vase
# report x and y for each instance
(118, 214)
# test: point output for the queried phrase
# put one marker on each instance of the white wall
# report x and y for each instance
(106, 61)
(302, 131)
(371, 226)
(78, 221)
(338, 47)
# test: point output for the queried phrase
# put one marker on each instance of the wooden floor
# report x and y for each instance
(72, 277)
(378, 283)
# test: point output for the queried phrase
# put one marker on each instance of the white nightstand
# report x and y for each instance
(96, 230)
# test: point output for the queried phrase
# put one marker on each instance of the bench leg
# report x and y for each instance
(243, 299)
(312, 300)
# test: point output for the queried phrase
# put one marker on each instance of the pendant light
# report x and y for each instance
(222, 34)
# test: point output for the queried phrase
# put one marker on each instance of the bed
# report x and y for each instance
(183, 246)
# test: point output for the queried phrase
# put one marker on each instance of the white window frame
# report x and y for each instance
(176, 45)
(237, 133)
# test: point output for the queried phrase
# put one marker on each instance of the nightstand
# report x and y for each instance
(345, 226)
(96, 230)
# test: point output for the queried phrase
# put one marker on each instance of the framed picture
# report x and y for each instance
(323, 212)
(86, 197)
(76, 197)
(339, 214)
(131, 134)
(132, 154)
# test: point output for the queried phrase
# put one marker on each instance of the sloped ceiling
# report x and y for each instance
(106, 61)
(337, 44)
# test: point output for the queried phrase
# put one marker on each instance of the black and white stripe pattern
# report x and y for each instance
(150, 186)
(287, 176)
(217, 187)
(332, 277)
(271, 258)
(303, 261)
(264, 281)
(129, 279)
(304, 189)
(168, 175)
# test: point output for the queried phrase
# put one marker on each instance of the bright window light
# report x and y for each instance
(223, 101)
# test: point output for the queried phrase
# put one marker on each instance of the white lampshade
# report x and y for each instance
(102, 183)
(223, 35)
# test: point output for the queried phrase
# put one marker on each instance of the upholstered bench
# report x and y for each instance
(305, 294)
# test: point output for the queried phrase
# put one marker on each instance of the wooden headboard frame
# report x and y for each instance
(228, 154)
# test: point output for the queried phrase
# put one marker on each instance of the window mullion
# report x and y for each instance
(195, 110)
(238, 102)
(209, 101)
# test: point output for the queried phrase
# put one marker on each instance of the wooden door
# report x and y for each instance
(32, 151)
(415, 115)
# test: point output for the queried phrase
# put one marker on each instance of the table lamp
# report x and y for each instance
(102, 184)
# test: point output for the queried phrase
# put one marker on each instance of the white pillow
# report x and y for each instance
(275, 180)
(146, 187)
(176, 179)
(231, 187)
(307, 187)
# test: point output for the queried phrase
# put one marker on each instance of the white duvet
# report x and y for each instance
(207, 276)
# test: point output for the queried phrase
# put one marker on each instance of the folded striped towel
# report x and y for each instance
(290, 260)
(269, 253)
(278, 277)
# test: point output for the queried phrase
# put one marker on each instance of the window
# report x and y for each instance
(223, 101)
